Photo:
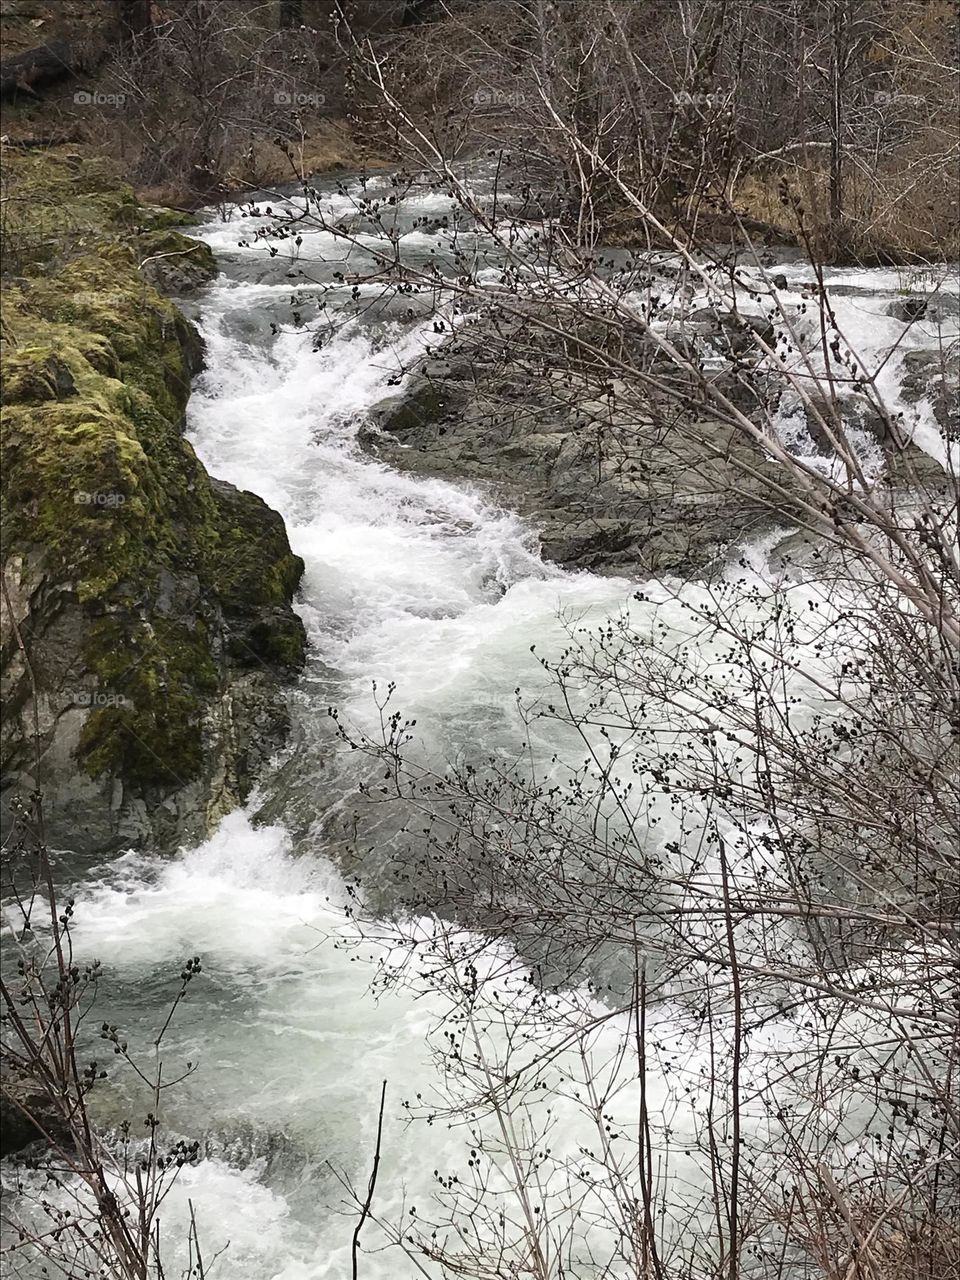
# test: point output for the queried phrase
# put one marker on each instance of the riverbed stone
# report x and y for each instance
(939, 308)
(609, 488)
(27, 1114)
(934, 375)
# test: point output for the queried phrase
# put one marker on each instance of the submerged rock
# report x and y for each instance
(907, 309)
(939, 308)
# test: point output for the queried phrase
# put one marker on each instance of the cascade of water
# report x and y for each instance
(407, 579)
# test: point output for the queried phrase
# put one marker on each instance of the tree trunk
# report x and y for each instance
(837, 67)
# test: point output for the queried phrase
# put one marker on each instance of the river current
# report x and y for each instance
(416, 581)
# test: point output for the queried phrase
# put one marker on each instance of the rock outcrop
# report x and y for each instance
(147, 623)
(610, 487)
(934, 375)
(27, 1114)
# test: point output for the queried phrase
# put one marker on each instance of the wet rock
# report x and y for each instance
(946, 304)
(845, 290)
(428, 401)
(27, 1115)
(847, 414)
(158, 711)
(939, 308)
(608, 489)
(934, 375)
(174, 264)
(907, 309)
(730, 333)
(155, 602)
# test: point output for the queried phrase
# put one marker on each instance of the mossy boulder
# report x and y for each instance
(174, 263)
(148, 627)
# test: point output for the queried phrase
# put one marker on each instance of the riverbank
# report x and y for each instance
(148, 629)
(310, 108)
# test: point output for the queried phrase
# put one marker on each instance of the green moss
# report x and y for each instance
(96, 368)
(58, 202)
(153, 679)
(34, 375)
(253, 564)
(153, 218)
(168, 240)
(101, 298)
(96, 469)
(256, 576)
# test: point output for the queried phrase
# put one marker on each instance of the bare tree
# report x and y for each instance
(84, 1200)
(751, 816)
(209, 81)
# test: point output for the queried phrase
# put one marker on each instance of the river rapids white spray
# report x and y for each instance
(417, 581)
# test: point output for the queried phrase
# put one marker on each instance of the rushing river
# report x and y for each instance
(410, 580)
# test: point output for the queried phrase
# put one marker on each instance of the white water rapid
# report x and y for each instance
(410, 580)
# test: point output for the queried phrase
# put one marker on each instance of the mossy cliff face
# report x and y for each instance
(148, 604)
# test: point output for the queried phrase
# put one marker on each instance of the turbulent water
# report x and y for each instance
(414, 581)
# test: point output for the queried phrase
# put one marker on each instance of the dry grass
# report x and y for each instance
(325, 146)
(24, 24)
(248, 157)
(906, 210)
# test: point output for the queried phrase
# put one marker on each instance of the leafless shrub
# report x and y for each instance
(750, 819)
(78, 1200)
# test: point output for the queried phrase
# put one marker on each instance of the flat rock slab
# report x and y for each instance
(608, 487)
